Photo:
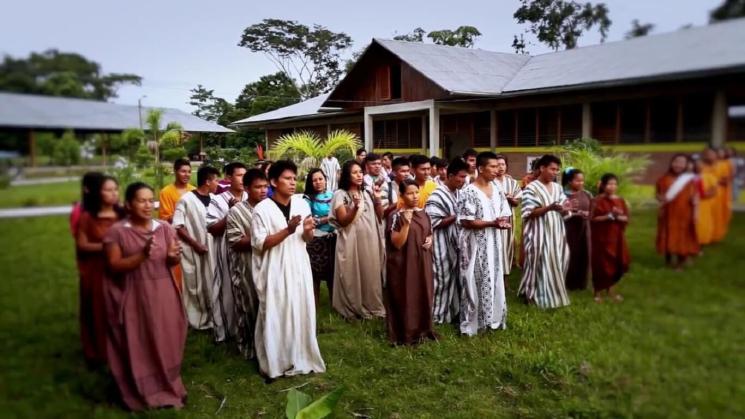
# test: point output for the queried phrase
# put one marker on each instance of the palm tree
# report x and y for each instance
(307, 149)
(173, 134)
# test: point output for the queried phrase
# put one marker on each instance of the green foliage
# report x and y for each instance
(171, 154)
(131, 140)
(639, 29)
(302, 406)
(307, 149)
(143, 157)
(588, 156)
(729, 9)
(296, 401)
(417, 35)
(66, 150)
(57, 73)
(560, 23)
(308, 55)
(463, 36)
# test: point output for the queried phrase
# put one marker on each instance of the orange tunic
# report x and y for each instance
(676, 222)
(707, 207)
(723, 199)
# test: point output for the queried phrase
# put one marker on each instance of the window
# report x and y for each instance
(506, 128)
(697, 112)
(663, 116)
(604, 122)
(633, 121)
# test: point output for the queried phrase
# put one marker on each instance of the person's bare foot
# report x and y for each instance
(618, 298)
(598, 299)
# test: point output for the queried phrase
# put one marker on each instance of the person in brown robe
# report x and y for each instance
(100, 212)
(145, 314)
(409, 291)
(577, 224)
(676, 222)
(610, 254)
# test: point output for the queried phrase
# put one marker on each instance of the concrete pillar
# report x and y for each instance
(719, 119)
(586, 120)
(434, 130)
(368, 127)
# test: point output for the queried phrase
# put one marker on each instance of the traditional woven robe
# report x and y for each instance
(509, 186)
(545, 246)
(676, 221)
(482, 303)
(442, 204)
(330, 168)
(168, 200)
(286, 323)
(707, 216)
(197, 269)
(610, 253)
(241, 277)
(222, 298)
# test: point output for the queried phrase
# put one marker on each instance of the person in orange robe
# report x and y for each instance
(676, 222)
(168, 198)
(724, 171)
(707, 216)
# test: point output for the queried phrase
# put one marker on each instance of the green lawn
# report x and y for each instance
(674, 348)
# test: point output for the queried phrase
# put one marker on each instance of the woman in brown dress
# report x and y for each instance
(146, 320)
(577, 223)
(100, 211)
(676, 223)
(409, 287)
(610, 254)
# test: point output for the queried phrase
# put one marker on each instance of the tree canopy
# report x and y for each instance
(462, 36)
(309, 56)
(639, 29)
(560, 23)
(729, 9)
(56, 73)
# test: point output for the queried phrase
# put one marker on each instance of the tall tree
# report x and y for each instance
(270, 92)
(639, 29)
(729, 9)
(208, 106)
(65, 74)
(560, 23)
(308, 55)
(417, 35)
(463, 36)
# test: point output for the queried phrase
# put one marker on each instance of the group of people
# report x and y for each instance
(413, 240)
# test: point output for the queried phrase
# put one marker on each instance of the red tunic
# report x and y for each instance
(610, 254)
(676, 226)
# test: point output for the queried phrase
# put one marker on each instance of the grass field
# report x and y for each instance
(674, 348)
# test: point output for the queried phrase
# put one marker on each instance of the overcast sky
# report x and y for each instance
(175, 45)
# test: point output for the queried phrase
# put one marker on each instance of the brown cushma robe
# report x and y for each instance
(91, 266)
(676, 222)
(578, 239)
(409, 289)
(610, 254)
(147, 324)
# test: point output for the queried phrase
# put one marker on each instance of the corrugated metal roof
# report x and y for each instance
(50, 112)
(306, 107)
(459, 70)
(715, 47)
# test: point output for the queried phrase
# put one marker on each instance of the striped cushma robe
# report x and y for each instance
(510, 186)
(330, 167)
(546, 250)
(442, 204)
(198, 271)
(223, 301)
(246, 302)
(482, 302)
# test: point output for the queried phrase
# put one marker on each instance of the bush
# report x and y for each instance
(171, 154)
(142, 157)
(67, 150)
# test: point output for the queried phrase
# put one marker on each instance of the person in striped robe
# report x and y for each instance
(482, 211)
(330, 167)
(222, 299)
(441, 207)
(238, 236)
(544, 238)
(190, 222)
(513, 193)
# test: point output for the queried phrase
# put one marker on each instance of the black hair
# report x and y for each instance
(371, 157)
(546, 160)
(604, 181)
(280, 167)
(180, 162)
(569, 175)
(360, 151)
(90, 186)
(399, 161)
(675, 156)
(92, 202)
(433, 160)
(133, 188)
(204, 173)
(345, 179)
(251, 175)
(417, 160)
(406, 183)
(482, 159)
(469, 153)
(503, 157)
(310, 191)
(230, 168)
(456, 165)
(388, 154)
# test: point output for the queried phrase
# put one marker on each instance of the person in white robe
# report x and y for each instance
(285, 336)
(190, 222)
(222, 298)
(513, 193)
(482, 210)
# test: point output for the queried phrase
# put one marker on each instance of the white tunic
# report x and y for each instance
(286, 324)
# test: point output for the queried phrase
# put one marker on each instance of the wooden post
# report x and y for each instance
(679, 126)
(493, 130)
(719, 119)
(586, 120)
(648, 121)
(618, 123)
(32, 147)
